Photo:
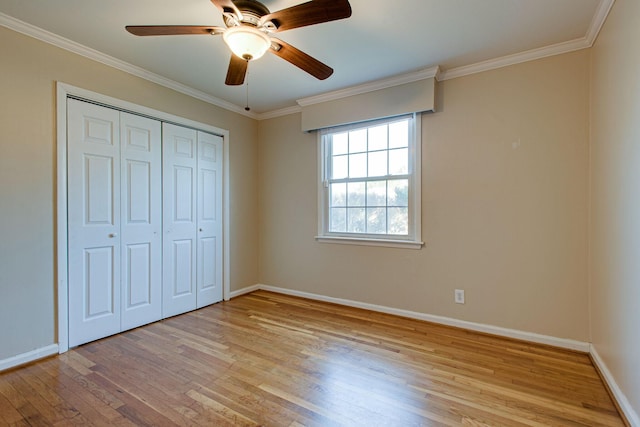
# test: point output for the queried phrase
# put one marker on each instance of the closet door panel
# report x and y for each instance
(141, 218)
(93, 167)
(209, 219)
(179, 219)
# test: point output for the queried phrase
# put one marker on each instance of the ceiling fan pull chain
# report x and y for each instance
(246, 82)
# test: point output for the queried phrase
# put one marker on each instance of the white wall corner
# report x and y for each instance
(623, 403)
(28, 357)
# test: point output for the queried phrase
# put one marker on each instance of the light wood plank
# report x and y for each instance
(271, 359)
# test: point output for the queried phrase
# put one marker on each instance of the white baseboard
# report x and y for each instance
(478, 327)
(618, 395)
(243, 291)
(30, 356)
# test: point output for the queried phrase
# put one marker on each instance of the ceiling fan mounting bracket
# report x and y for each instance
(230, 20)
(269, 27)
(275, 46)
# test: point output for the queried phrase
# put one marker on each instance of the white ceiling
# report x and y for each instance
(381, 39)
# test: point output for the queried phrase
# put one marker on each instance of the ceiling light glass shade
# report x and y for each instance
(246, 42)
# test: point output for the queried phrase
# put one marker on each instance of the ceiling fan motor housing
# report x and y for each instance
(251, 10)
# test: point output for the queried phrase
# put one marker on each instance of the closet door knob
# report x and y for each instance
(112, 235)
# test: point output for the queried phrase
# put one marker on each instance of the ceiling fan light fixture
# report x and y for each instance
(246, 42)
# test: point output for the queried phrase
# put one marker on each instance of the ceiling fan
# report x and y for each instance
(249, 25)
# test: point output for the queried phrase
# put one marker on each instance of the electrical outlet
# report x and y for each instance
(459, 296)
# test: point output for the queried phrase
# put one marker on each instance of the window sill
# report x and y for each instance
(404, 244)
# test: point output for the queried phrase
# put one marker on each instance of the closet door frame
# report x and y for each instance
(65, 91)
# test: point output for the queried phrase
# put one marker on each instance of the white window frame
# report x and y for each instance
(414, 238)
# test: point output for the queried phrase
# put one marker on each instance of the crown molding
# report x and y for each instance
(531, 55)
(587, 41)
(517, 58)
(371, 86)
(598, 20)
(87, 52)
(279, 113)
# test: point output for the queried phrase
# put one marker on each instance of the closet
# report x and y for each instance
(144, 208)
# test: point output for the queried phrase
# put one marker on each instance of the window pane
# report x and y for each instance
(399, 161)
(340, 143)
(378, 163)
(339, 167)
(358, 141)
(339, 194)
(377, 220)
(399, 134)
(398, 220)
(356, 194)
(338, 220)
(356, 220)
(377, 193)
(369, 171)
(357, 165)
(398, 193)
(378, 138)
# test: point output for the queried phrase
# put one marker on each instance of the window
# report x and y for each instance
(370, 183)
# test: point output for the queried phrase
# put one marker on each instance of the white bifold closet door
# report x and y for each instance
(141, 220)
(192, 219)
(114, 221)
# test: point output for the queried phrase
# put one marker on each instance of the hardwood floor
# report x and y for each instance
(270, 359)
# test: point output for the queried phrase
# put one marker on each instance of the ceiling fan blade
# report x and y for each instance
(300, 59)
(309, 13)
(236, 72)
(172, 30)
(227, 6)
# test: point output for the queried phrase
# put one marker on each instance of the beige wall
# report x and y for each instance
(505, 197)
(28, 72)
(615, 200)
(505, 202)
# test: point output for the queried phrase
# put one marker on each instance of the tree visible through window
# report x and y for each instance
(369, 172)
